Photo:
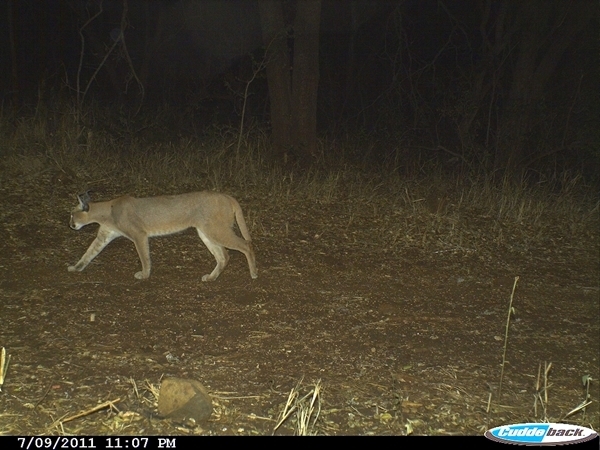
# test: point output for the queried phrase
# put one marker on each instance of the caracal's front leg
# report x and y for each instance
(103, 238)
(143, 248)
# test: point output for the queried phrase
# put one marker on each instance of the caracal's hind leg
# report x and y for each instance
(251, 260)
(219, 252)
(227, 238)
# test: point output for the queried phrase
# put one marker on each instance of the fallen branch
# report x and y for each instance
(87, 412)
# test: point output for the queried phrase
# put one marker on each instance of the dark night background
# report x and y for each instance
(500, 85)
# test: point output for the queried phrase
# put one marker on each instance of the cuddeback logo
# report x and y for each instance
(541, 434)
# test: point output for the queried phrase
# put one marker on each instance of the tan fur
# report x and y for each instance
(211, 213)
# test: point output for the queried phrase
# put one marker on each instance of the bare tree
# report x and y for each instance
(522, 46)
(547, 33)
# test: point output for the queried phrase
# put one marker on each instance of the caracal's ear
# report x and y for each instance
(84, 200)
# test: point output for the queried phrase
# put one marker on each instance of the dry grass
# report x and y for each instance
(438, 211)
(305, 409)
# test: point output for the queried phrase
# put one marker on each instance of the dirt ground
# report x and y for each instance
(401, 340)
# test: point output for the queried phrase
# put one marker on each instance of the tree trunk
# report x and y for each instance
(305, 77)
(14, 71)
(278, 74)
(292, 87)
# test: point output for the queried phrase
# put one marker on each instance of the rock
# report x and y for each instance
(184, 399)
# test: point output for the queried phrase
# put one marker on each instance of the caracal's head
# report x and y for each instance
(79, 214)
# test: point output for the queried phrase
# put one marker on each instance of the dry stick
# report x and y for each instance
(576, 409)
(81, 54)
(120, 39)
(586, 379)
(43, 396)
(315, 397)
(289, 404)
(510, 310)
(89, 411)
(255, 71)
(93, 77)
(547, 368)
(536, 397)
(3, 366)
(539, 389)
(127, 56)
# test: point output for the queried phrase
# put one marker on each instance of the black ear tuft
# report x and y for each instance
(86, 196)
(84, 200)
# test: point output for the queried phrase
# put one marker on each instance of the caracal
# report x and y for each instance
(211, 213)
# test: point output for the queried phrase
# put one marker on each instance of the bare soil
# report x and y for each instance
(403, 340)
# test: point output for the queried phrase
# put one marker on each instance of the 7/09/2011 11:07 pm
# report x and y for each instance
(62, 442)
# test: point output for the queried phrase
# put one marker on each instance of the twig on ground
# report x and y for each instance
(87, 412)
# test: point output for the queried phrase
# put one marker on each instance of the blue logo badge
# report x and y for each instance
(540, 434)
